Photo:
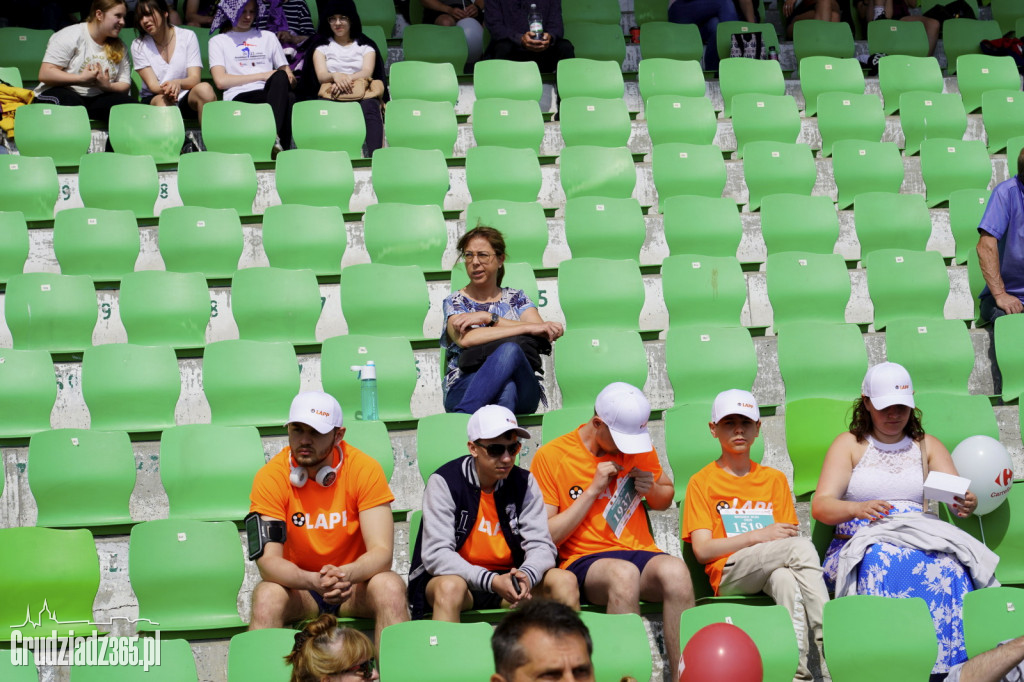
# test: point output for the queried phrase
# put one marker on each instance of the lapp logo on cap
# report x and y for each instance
(902, 387)
(746, 405)
(320, 413)
(1004, 478)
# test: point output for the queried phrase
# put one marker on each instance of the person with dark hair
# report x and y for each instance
(168, 61)
(325, 651)
(84, 64)
(871, 489)
(1001, 248)
(513, 37)
(542, 640)
(249, 65)
(503, 326)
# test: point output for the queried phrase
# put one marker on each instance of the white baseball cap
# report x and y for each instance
(625, 410)
(491, 421)
(317, 409)
(735, 401)
(888, 384)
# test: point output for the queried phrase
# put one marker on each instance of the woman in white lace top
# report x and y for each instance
(875, 470)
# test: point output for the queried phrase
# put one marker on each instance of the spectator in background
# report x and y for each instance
(869, 10)
(325, 651)
(798, 10)
(86, 64)
(200, 12)
(1001, 248)
(249, 65)
(706, 14)
(466, 15)
(292, 23)
(511, 38)
(543, 640)
(168, 61)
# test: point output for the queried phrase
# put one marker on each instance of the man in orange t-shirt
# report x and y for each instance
(593, 480)
(335, 505)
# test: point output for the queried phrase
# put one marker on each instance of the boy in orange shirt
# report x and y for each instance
(740, 519)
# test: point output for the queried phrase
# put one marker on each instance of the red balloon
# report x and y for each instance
(721, 652)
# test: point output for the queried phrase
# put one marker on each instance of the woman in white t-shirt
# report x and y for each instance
(168, 61)
(250, 66)
(349, 55)
(85, 63)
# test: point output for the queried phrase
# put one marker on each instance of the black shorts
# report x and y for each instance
(581, 566)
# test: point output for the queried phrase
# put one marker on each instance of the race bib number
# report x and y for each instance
(739, 521)
(622, 505)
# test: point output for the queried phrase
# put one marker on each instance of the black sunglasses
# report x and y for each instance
(496, 450)
(364, 669)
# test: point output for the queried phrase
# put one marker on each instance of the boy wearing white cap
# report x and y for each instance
(484, 541)
(739, 518)
(593, 481)
(320, 526)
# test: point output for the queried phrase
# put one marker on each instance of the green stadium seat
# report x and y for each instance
(953, 418)
(777, 168)
(47, 311)
(1008, 13)
(555, 423)
(203, 36)
(372, 438)
(587, 360)
(976, 74)
(816, 38)
(503, 173)
(664, 76)
(60, 582)
(594, 121)
(176, 665)
(859, 167)
(770, 627)
(506, 122)
(405, 234)
(30, 391)
(130, 388)
(889, 37)
(587, 171)
(991, 617)
(81, 478)
(793, 222)
(703, 360)
(739, 75)
(621, 646)
(687, 169)
(819, 75)
(1008, 334)
(440, 438)
(404, 289)
(702, 225)
(822, 360)
(949, 165)
(209, 489)
(757, 117)
(600, 227)
(899, 73)
(436, 45)
(703, 290)
(723, 37)
(906, 653)
(502, 78)
(163, 308)
(259, 654)
(590, 40)
(329, 126)
(601, 293)
(1003, 115)
(427, 80)
(521, 222)
(23, 48)
(891, 221)
(976, 282)
(233, 127)
(297, 236)
(580, 77)
(927, 114)
(411, 176)
(29, 184)
(423, 650)
(667, 40)
(331, 185)
(597, 11)
(239, 396)
(17, 671)
(396, 373)
(137, 187)
(217, 180)
(197, 239)
(966, 206)
(275, 304)
(62, 133)
(14, 244)
(811, 426)
(96, 242)
(807, 287)
(964, 36)
(1000, 531)
(421, 124)
(11, 75)
(186, 575)
(842, 116)
(905, 284)
(679, 118)
(377, 13)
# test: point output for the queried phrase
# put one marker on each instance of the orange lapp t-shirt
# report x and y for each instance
(713, 489)
(486, 546)
(322, 523)
(563, 469)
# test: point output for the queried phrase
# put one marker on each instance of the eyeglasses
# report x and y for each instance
(337, 19)
(497, 450)
(483, 257)
(364, 669)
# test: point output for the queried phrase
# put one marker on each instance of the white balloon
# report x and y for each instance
(986, 462)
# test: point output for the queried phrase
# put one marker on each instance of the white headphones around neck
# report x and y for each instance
(325, 476)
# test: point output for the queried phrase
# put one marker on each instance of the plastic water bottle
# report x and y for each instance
(367, 389)
(536, 22)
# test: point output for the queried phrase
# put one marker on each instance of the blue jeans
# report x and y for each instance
(706, 14)
(505, 379)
